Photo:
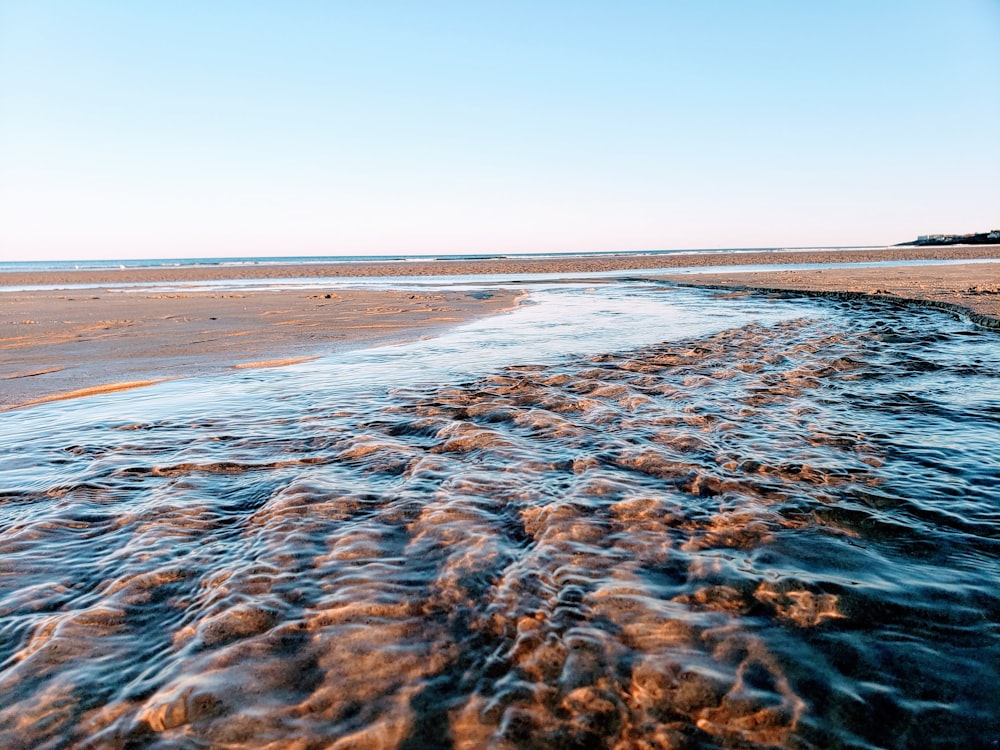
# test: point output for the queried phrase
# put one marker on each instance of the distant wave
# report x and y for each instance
(229, 262)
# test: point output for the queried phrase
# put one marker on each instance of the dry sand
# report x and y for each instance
(59, 344)
(974, 287)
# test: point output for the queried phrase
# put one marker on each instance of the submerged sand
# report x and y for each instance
(774, 536)
(681, 545)
(59, 344)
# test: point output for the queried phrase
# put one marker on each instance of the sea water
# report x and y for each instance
(24, 266)
(623, 515)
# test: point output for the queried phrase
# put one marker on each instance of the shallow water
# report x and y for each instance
(457, 281)
(623, 516)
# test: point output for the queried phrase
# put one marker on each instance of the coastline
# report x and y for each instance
(59, 344)
(69, 343)
(973, 288)
(508, 265)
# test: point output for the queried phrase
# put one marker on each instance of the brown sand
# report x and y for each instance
(974, 286)
(59, 344)
(513, 265)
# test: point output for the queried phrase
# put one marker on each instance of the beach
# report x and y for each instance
(568, 264)
(605, 512)
(974, 288)
(480, 376)
(61, 343)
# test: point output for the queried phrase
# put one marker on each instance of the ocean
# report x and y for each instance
(624, 515)
(238, 261)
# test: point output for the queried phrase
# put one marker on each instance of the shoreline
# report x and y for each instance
(60, 344)
(57, 345)
(509, 265)
(969, 289)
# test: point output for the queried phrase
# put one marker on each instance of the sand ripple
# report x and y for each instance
(777, 536)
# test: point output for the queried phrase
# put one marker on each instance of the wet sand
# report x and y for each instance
(974, 286)
(68, 343)
(511, 265)
(59, 344)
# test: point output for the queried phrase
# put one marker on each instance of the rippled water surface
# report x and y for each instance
(623, 516)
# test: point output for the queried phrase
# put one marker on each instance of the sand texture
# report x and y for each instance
(974, 286)
(67, 343)
(513, 265)
(776, 535)
(58, 344)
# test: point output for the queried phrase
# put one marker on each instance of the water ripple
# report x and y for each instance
(777, 530)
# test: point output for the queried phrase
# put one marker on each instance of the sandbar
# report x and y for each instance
(498, 265)
(970, 287)
(66, 344)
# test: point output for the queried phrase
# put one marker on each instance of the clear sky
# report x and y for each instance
(204, 128)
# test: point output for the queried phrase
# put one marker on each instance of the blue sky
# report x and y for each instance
(250, 128)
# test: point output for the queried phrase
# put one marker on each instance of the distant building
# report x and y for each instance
(974, 238)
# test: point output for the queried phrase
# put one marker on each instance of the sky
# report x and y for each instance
(245, 128)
